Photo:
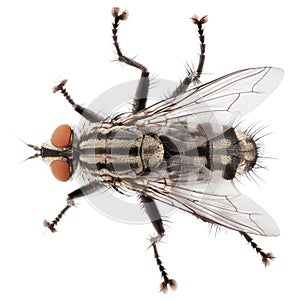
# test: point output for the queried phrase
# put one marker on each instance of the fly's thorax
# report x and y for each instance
(233, 153)
(118, 152)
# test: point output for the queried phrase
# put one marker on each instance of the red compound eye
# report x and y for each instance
(60, 170)
(61, 136)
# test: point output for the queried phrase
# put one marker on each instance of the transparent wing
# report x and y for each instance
(230, 208)
(227, 97)
(218, 102)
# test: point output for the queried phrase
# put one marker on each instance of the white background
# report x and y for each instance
(93, 257)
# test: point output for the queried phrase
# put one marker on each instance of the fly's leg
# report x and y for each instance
(81, 192)
(86, 113)
(141, 94)
(155, 217)
(266, 257)
(171, 282)
(194, 75)
(199, 24)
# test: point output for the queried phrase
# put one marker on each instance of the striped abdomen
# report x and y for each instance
(198, 148)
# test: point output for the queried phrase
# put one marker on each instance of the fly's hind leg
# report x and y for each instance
(155, 217)
(141, 94)
(266, 257)
(194, 75)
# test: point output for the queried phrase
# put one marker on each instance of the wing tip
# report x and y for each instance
(270, 80)
(277, 76)
(269, 227)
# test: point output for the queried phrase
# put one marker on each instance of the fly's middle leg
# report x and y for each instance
(194, 75)
(141, 94)
(155, 217)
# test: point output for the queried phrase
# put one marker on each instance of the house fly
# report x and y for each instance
(184, 150)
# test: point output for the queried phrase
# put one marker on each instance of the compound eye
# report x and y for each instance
(61, 136)
(61, 170)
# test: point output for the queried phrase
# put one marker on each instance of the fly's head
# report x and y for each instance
(58, 152)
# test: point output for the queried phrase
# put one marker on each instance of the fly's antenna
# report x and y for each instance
(36, 148)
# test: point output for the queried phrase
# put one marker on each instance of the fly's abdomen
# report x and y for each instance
(199, 149)
(224, 154)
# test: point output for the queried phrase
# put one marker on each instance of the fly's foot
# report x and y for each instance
(164, 285)
(196, 20)
(115, 13)
(60, 86)
(266, 258)
(50, 226)
(171, 282)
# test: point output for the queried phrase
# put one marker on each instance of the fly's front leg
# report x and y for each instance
(141, 94)
(155, 217)
(81, 192)
(86, 113)
(194, 75)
